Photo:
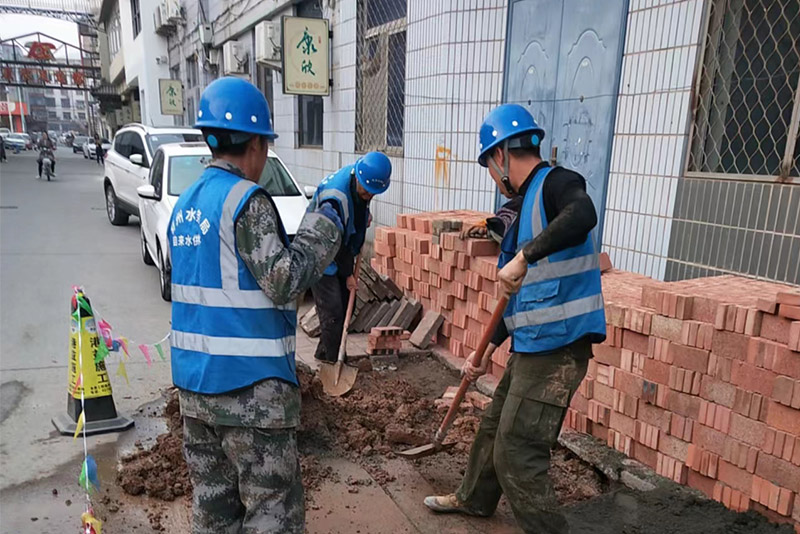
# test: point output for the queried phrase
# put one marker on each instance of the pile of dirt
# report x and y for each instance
(384, 413)
(573, 480)
(160, 471)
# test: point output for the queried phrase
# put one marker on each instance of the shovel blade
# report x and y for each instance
(333, 386)
(422, 451)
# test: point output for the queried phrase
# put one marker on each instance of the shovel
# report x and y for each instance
(436, 446)
(338, 378)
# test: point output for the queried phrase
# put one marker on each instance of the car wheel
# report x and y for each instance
(116, 216)
(164, 277)
(146, 258)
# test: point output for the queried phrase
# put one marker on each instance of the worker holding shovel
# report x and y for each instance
(349, 191)
(550, 273)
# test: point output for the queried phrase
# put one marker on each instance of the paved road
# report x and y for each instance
(52, 236)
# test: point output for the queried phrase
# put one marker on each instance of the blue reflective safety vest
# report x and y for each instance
(561, 298)
(336, 187)
(226, 333)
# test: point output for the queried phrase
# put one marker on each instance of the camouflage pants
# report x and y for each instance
(511, 452)
(246, 480)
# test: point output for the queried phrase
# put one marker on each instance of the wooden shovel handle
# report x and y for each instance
(488, 332)
(350, 305)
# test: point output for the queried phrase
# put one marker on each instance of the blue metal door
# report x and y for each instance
(563, 62)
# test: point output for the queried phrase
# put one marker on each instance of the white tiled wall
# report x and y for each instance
(454, 63)
(651, 131)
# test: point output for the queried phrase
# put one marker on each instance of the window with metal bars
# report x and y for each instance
(747, 96)
(381, 75)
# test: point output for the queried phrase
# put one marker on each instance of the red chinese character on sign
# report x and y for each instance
(8, 74)
(27, 75)
(78, 78)
(44, 76)
(61, 77)
(41, 51)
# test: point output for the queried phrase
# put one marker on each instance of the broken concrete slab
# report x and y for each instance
(387, 318)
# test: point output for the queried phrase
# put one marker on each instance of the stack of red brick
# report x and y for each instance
(698, 379)
(456, 277)
(384, 340)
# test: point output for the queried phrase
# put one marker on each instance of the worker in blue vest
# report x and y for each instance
(549, 269)
(349, 190)
(235, 278)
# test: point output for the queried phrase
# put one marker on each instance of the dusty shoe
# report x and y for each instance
(447, 504)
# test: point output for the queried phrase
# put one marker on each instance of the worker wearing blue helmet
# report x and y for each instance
(549, 271)
(349, 191)
(235, 279)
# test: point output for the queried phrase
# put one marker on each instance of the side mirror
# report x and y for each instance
(136, 159)
(309, 191)
(147, 191)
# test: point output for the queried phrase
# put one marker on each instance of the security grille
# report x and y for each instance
(747, 106)
(381, 75)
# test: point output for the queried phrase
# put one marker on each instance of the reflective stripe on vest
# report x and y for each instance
(560, 312)
(223, 298)
(335, 194)
(233, 346)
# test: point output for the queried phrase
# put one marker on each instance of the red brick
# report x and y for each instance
(752, 460)
(656, 371)
(683, 404)
(701, 483)
(717, 391)
(747, 430)
(785, 362)
(673, 447)
(726, 496)
(607, 355)
(689, 357)
(730, 345)
(622, 423)
(785, 501)
(753, 322)
(783, 418)
(783, 389)
(635, 341)
(788, 448)
(752, 378)
(628, 383)
(790, 312)
(767, 305)
(646, 455)
(709, 439)
(791, 298)
(666, 328)
(775, 328)
(735, 477)
(603, 393)
(481, 247)
(794, 336)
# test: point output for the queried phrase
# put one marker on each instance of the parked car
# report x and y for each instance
(4, 132)
(128, 161)
(77, 144)
(28, 141)
(175, 167)
(15, 141)
(89, 148)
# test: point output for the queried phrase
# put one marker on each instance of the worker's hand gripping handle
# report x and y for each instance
(488, 332)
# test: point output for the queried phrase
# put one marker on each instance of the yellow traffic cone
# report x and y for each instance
(95, 387)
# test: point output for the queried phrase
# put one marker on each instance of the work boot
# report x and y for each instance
(448, 504)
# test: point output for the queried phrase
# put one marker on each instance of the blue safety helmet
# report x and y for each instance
(373, 171)
(508, 122)
(234, 104)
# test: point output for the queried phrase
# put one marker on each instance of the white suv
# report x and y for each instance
(127, 165)
(175, 167)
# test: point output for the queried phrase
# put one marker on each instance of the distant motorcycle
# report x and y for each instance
(47, 167)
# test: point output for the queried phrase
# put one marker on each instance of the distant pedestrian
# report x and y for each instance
(98, 150)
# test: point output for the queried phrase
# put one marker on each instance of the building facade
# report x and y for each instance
(690, 156)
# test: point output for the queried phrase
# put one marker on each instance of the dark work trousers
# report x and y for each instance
(330, 296)
(511, 452)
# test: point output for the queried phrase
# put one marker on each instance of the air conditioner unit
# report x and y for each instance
(234, 58)
(161, 18)
(174, 12)
(268, 38)
(213, 57)
(206, 32)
